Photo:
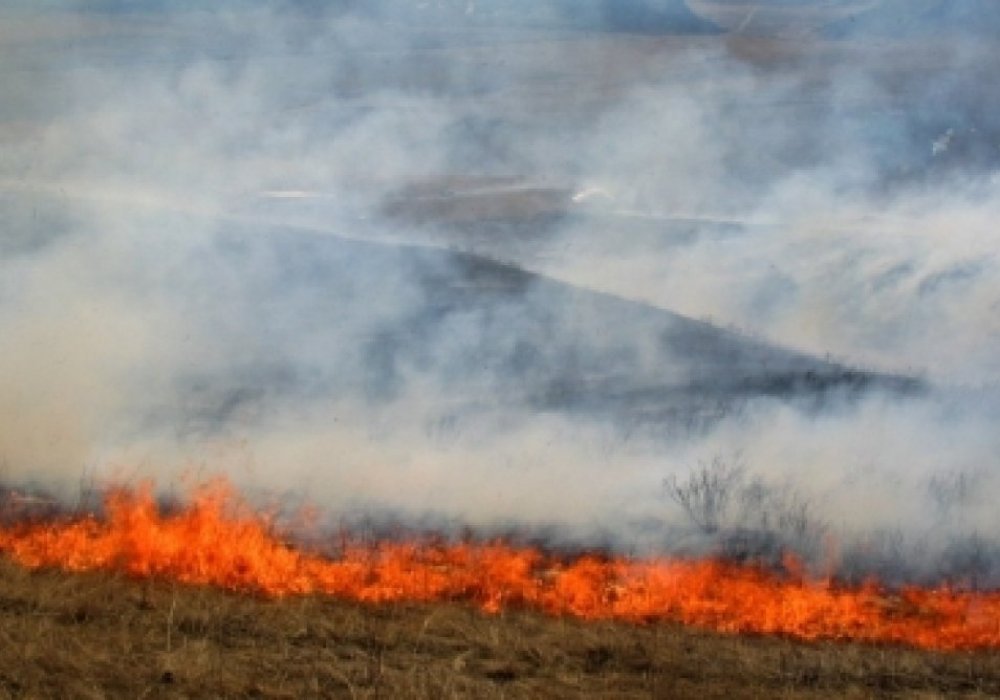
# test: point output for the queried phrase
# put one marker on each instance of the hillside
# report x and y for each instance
(633, 16)
(477, 330)
(915, 18)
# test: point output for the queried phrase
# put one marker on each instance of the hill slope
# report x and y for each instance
(334, 315)
(909, 18)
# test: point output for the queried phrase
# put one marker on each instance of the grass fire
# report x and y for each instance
(208, 598)
(521, 348)
(214, 540)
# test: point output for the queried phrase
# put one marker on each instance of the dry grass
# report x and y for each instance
(97, 636)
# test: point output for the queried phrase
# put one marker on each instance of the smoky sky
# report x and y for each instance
(514, 265)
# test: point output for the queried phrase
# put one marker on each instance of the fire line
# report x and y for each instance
(217, 540)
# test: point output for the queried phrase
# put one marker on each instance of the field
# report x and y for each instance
(693, 277)
(97, 635)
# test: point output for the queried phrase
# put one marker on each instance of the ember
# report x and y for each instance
(217, 540)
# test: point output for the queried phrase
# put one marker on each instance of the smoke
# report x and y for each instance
(441, 262)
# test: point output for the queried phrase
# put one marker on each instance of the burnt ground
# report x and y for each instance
(97, 636)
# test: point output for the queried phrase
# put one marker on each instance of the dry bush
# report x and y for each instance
(708, 492)
(746, 516)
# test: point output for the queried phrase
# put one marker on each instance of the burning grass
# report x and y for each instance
(205, 599)
(104, 634)
(216, 540)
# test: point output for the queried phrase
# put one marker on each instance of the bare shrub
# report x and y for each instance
(707, 493)
(883, 553)
(972, 561)
(749, 517)
(952, 491)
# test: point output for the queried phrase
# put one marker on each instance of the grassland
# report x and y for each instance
(102, 636)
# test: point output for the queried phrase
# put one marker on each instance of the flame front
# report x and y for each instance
(216, 541)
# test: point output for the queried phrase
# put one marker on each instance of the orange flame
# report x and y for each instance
(216, 541)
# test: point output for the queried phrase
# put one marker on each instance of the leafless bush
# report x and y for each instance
(707, 494)
(748, 517)
(951, 491)
(883, 553)
(973, 561)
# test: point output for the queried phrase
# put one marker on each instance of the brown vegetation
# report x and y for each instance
(96, 635)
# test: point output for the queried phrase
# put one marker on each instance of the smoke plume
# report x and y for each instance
(520, 267)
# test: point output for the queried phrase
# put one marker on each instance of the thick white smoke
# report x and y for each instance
(251, 240)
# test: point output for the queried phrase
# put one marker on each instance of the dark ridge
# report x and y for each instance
(654, 17)
(923, 18)
(482, 332)
(633, 16)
